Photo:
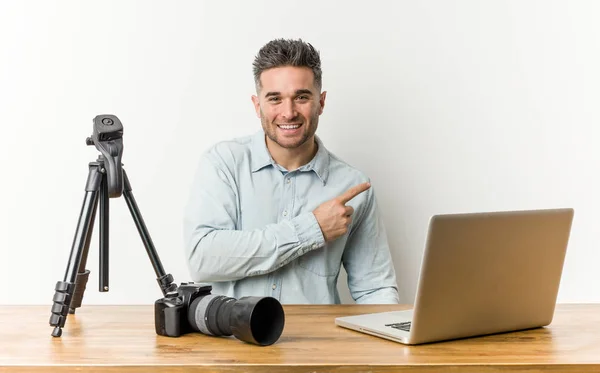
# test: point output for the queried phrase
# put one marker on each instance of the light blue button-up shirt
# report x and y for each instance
(249, 228)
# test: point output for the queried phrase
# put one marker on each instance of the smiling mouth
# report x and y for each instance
(289, 126)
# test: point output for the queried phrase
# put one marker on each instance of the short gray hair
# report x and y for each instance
(287, 52)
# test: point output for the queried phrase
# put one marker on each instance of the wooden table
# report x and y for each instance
(122, 338)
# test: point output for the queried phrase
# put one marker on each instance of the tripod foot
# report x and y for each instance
(60, 308)
(57, 332)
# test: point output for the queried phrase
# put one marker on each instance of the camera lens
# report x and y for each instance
(257, 320)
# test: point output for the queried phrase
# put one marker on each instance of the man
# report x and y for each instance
(276, 214)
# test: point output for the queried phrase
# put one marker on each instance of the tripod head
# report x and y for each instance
(107, 137)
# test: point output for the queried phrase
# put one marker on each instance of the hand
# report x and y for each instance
(334, 216)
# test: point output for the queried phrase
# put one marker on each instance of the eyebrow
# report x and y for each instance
(298, 92)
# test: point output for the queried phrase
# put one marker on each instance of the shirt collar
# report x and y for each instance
(262, 158)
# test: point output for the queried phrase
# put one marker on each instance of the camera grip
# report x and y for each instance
(167, 318)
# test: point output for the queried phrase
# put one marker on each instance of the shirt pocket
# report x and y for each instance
(324, 262)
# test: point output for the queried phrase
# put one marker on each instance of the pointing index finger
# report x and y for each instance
(353, 192)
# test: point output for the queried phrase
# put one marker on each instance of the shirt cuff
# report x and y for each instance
(387, 295)
(308, 231)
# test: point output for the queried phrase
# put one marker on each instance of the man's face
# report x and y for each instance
(289, 105)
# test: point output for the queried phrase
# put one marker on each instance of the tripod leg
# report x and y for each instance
(83, 274)
(165, 281)
(104, 213)
(65, 289)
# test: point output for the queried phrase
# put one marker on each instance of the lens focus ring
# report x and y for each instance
(200, 314)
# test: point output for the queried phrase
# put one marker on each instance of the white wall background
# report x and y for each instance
(449, 106)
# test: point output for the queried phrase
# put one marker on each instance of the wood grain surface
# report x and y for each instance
(122, 338)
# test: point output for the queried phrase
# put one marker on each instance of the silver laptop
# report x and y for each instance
(482, 273)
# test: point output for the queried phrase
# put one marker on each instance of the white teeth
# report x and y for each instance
(289, 127)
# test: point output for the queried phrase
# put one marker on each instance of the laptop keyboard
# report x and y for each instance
(400, 326)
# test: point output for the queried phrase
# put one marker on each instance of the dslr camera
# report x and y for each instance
(192, 308)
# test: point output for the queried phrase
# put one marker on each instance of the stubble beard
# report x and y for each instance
(270, 130)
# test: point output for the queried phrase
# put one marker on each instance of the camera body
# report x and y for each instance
(171, 312)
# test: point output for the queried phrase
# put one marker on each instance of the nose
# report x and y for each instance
(289, 110)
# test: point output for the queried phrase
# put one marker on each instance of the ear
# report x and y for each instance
(322, 101)
(256, 103)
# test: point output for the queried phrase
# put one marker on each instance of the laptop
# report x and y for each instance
(481, 273)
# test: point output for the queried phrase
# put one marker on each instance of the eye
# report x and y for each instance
(274, 99)
(302, 97)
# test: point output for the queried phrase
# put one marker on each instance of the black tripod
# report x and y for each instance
(106, 179)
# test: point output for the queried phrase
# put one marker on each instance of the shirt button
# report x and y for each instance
(288, 180)
(285, 213)
(274, 286)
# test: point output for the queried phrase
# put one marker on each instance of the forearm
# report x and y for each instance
(227, 255)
